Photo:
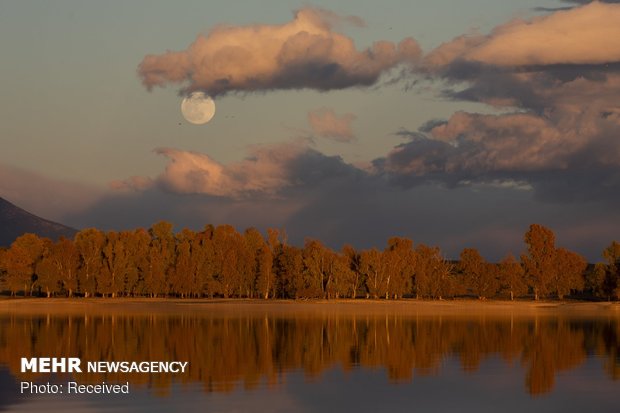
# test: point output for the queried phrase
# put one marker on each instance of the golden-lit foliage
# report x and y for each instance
(540, 262)
(605, 279)
(433, 274)
(221, 262)
(228, 350)
(480, 277)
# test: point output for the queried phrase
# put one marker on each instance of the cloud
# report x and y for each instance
(345, 206)
(561, 160)
(558, 133)
(327, 124)
(583, 35)
(303, 53)
(266, 171)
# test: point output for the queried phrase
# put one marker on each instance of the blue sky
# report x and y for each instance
(79, 128)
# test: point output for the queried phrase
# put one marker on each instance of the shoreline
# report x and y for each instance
(258, 307)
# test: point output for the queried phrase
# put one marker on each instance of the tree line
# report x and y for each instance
(221, 262)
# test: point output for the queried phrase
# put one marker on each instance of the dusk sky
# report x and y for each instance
(453, 123)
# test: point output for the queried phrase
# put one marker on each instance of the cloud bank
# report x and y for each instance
(557, 80)
(304, 53)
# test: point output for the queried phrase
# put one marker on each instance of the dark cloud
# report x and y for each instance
(559, 163)
(342, 206)
(551, 9)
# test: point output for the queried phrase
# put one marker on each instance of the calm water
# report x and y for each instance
(279, 362)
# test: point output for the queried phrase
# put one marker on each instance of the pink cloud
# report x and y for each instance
(266, 170)
(303, 53)
(582, 35)
(327, 124)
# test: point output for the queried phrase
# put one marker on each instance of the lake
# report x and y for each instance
(310, 358)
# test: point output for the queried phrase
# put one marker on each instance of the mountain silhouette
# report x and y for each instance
(14, 222)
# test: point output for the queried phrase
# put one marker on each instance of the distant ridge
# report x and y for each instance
(15, 221)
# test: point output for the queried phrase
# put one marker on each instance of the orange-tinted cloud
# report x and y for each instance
(264, 171)
(304, 53)
(327, 124)
(583, 35)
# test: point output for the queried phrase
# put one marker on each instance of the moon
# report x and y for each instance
(198, 108)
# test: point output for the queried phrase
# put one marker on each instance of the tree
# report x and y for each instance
(344, 278)
(255, 252)
(3, 253)
(317, 275)
(432, 273)
(512, 277)
(399, 258)
(116, 263)
(137, 245)
(290, 266)
(181, 273)
(89, 243)
(202, 262)
(374, 271)
(21, 261)
(479, 275)
(58, 268)
(612, 271)
(266, 264)
(160, 259)
(229, 260)
(569, 274)
(605, 280)
(595, 280)
(265, 279)
(17, 270)
(353, 261)
(540, 264)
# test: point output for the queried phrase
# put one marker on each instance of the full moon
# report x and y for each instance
(198, 108)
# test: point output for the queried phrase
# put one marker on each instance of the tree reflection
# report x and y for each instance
(225, 351)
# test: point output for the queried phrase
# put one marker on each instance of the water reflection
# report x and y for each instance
(228, 351)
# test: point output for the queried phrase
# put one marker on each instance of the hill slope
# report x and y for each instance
(14, 222)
